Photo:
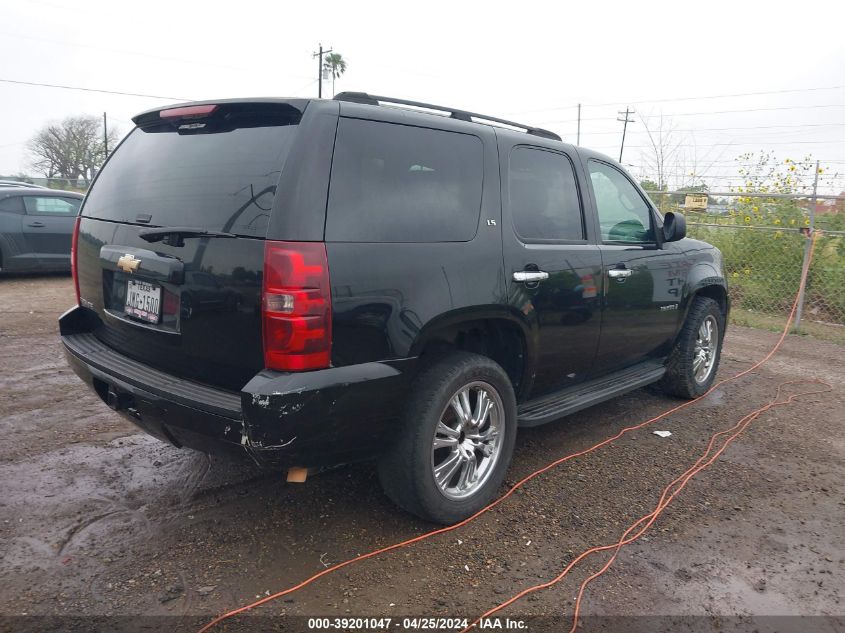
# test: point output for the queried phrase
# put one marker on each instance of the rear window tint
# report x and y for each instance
(397, 183)
(223, 180)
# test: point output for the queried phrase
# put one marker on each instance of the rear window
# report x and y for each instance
(398, 183)
(221, 176)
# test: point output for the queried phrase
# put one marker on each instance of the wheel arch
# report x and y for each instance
(493, 332)
(703, 280)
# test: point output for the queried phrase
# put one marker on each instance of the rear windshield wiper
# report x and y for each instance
(175, 235)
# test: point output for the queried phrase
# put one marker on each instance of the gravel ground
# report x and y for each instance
(97, 519)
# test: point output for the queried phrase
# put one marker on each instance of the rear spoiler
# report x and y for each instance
(222, 109)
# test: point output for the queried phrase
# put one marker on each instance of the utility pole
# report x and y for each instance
(319, 57)
(578, 141)
(626, 121)
(105, 134)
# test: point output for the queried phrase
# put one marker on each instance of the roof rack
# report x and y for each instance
(461, 115)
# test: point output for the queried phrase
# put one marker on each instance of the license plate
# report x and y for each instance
(143, 300)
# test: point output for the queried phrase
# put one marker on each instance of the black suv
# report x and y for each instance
(312, 282)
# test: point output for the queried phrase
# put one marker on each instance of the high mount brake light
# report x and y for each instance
(188, 112)
(296, 306)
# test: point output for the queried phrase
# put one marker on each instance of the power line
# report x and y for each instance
(711, 176)
(724, 129)
(673, 99)
(830, 142)
(679, 114)
(109, 92)
(738, 163)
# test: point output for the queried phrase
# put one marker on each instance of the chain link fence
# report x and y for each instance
(765, 242)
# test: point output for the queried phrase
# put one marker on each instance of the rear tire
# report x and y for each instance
(693, 363)
(455, 440)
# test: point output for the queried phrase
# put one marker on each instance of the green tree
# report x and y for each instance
(334, 65)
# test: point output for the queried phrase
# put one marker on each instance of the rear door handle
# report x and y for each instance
(530, 275)
(36, 224)
(619, 273)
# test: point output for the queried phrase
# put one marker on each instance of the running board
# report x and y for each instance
(573, 399)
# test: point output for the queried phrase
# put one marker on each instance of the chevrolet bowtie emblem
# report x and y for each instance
(128, 263)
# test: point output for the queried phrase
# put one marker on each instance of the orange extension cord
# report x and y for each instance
(665, 499)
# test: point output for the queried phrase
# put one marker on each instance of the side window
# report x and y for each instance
(397, 183)
(12, 204)
(51, 205)
(543, 195)
(623, 214)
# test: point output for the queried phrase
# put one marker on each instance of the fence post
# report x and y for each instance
(806, 262)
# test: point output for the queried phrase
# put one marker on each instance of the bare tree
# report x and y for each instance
(673, 158)
(72, 149)
(664, 147)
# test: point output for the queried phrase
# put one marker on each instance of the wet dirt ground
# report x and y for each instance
(97, 519)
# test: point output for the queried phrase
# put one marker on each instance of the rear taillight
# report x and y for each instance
(74, 251)
(296, 306)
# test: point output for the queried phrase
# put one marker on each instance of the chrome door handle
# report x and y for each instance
(619, 273)
(530, 275)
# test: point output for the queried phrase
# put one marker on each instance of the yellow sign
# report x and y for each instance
(696, 201)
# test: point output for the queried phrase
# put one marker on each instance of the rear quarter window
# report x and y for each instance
(399, 183)
(11, 204)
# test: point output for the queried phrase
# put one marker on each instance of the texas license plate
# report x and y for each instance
(143, 300)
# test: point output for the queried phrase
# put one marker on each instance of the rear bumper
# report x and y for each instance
(310, 419)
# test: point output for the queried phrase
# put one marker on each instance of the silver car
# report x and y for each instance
(36, 226)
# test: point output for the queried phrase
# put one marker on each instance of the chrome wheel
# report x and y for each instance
(706, 346)
(468, 440)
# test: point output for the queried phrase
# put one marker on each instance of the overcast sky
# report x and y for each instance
(528, 61)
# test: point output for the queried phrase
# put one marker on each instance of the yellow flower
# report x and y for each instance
(754, 209)
(777, 220)
(777, 235)
(821, 170)
(806, 221)
(792, 221)
(792, 168)
(748, 219)
(747, 271)
(735, 275)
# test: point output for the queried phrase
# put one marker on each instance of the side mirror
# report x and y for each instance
(674, 227)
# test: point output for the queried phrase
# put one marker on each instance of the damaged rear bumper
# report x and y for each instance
(310, 419)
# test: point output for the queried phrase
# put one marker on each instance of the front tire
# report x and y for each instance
(694, 361)
(455, 441)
